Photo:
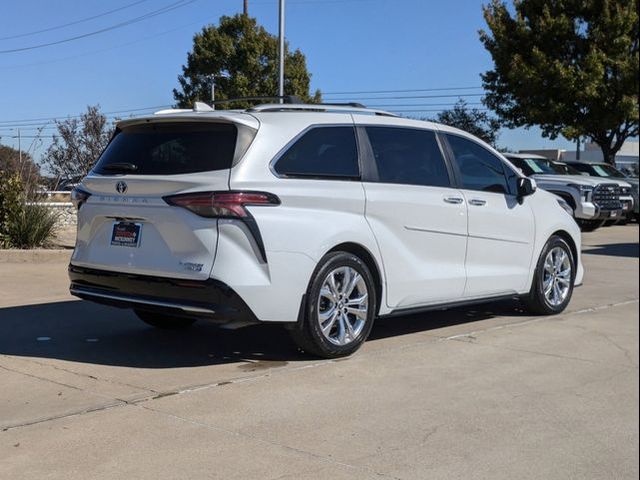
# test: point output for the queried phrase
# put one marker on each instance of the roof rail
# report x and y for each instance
(320, 107)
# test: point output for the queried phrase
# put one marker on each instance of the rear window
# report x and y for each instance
(169, 149)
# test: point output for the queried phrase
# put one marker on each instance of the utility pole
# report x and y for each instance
(213, 91)
(20, 149)
(281, 53)
(245, 9)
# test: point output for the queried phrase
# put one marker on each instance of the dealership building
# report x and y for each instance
(626, 158)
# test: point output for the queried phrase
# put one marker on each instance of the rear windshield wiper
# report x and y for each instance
(120, 167)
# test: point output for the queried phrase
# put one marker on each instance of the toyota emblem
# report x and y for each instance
(121, 187)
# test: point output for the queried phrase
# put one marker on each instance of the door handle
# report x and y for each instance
(453, 200)
(477, 202)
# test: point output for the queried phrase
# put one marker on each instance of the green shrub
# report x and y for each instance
(23, 224)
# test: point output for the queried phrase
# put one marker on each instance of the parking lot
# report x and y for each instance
(91, 392)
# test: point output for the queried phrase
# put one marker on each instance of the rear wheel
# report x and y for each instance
(591, 225)
(340, 306)
(163, 321)
(553, 280)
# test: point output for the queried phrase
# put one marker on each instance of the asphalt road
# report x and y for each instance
(89, 392)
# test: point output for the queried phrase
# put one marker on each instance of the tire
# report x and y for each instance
(333, 295)
(163, 321)
(591, 225)
(538, 301)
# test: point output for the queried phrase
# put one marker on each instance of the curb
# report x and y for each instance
(39, 255)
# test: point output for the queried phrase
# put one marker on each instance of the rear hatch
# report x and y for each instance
(125, 220)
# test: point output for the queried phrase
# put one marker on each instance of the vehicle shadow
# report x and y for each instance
(630, 250)
(80, 331)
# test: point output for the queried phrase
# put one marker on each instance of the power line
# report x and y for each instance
(76, 22)
(341, 100)
(404, 91)
(420, 104)
(92, 52)
(436, 110)
(407, 97)
(53, 119)
(160, 11)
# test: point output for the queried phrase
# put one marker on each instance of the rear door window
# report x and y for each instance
(408, 156)
(480, 169)
(322, 152)
(169, 149)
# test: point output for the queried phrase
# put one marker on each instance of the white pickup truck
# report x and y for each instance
(593, 200)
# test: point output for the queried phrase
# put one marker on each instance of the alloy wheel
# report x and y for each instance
(556, 281)
(342, 305)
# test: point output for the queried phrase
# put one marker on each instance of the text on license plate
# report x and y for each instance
(126, 234)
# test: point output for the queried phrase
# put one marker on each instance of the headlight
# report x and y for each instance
(567, 208)
(625, 191)
(585, 190)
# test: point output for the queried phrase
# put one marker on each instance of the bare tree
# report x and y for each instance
(78, 144)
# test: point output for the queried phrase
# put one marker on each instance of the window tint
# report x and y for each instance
(480, 169)
(523, 166)
(322, 152)
(166, 149)
(408, 156)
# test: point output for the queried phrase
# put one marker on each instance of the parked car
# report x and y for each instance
(604, 170)
(593, 200)
(317, 216)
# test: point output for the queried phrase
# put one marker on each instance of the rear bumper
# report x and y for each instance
(209, 299)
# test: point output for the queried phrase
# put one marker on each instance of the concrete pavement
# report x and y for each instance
(87, 391)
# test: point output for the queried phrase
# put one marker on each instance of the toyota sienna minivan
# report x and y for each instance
(320, 217)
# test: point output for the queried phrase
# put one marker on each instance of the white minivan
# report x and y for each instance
(321, 217)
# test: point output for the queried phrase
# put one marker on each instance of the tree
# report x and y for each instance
(471, 120)
(78, 144)
(10, 163)
(242, 57)
(568, 66)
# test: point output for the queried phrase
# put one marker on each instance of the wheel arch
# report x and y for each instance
(566, 197)
(367, 257)
(569, 239)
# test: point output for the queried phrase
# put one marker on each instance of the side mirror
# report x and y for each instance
(526, 186)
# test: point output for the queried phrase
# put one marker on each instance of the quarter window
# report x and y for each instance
(322, 152)
(408, 156)
(480, 169)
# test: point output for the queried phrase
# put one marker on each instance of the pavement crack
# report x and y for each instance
(84, 375)
(472, 336)
(75, 413)
(625, 351)
(297, 450)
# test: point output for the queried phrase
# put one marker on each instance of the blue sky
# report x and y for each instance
(351, 46)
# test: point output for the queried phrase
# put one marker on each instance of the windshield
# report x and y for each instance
(567, 169)
(541, 166)
(607, 171)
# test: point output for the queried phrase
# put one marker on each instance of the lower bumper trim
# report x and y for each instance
(208, 299)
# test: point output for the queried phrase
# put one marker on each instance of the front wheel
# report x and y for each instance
(340, 306)
(553, 280)
(163, 321)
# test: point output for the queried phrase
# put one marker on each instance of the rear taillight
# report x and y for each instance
(227, 205)
(221, 204)
(78, 197)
